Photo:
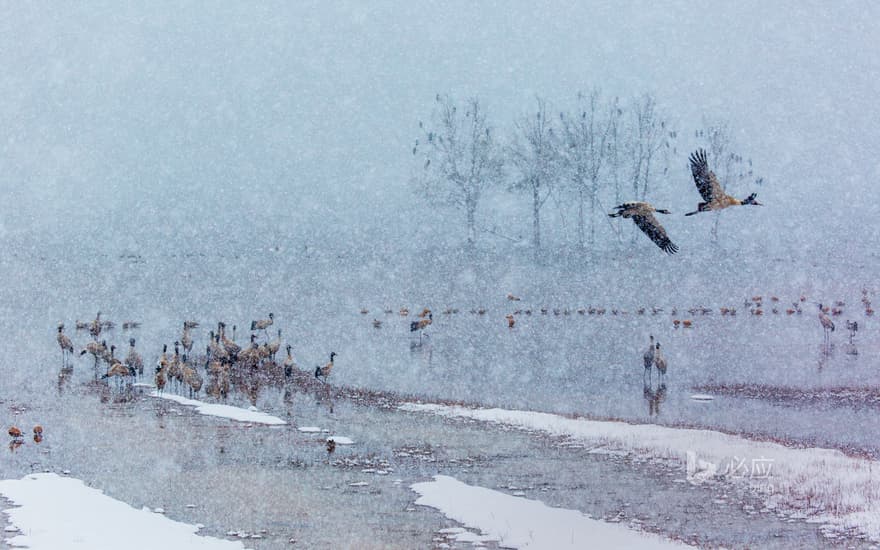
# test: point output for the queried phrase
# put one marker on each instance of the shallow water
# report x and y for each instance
(151, 453)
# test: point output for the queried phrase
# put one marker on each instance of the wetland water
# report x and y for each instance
(277, 481)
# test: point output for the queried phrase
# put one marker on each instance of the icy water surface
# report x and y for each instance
(279, 483)
(565, 360)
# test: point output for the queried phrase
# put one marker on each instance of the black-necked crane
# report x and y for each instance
(852, 327)
(160, 377)
(232, 349)
(133, 360)
(95, 326)
(66, 346)
(642, 213)
(827, 324)
(707, 184)
(324, 372)
(659, 361)
(98, 351)
(186, 338)
(648, 358)
(289, 363)
(263, 324)
(274, 345)
(251, 356)
(191, 378)
(420, 325)
(117, 369)
(173, 372)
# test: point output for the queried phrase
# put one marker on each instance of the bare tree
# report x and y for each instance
(535, 155)
(649, 135)
(730, 168)
(461, 159)
(583, 152)
(615, 145)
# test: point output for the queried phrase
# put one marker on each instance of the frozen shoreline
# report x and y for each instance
(820, 485)
(223, 411)
(518, 522)
(51, 512)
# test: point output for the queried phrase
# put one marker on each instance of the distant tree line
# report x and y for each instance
(595, 155)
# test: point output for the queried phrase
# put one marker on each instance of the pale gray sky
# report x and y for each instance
(228, 116)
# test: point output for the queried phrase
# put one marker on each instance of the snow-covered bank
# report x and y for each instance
(54, 513)
(223, 411)
(824, 485)
(523, 523)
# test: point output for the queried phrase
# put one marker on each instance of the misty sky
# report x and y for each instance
(219, 117)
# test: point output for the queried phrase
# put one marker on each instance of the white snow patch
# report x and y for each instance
(846, 488)
(223, 411)
(516, 522)
(309, 429)
(56, 513)
(341, 440)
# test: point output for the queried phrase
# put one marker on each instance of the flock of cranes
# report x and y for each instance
(714, 197)
(224, 364)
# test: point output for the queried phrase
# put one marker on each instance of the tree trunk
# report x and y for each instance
(536, 217)
(471, 224)
(581, 216)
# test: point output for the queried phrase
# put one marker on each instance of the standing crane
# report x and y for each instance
(827, 325)
(65, 344)
(649, 358)
(659, 362)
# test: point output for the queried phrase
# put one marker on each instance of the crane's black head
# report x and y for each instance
(332, 355)
(272, 316)
(164, 348)
(658, 345)
(751, 200)
(317, 371)
(131, 341)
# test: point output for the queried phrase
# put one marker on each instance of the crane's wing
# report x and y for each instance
(707, 183)
(652, 228)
